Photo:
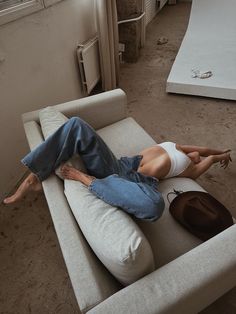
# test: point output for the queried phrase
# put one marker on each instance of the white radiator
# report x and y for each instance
(88, 57)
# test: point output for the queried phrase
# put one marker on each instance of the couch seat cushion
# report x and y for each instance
(166, 236)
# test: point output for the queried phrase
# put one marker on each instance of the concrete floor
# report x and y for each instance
(33, 277)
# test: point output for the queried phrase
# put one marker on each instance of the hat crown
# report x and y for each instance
(201, 214)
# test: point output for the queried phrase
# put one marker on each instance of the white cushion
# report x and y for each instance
(114, 237)
(50, 120)
(112, 234)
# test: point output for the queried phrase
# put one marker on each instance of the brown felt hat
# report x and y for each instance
(201, 214)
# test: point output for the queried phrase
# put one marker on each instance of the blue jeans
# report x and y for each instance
(117, 181)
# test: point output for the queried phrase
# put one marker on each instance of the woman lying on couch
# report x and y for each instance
(129, 182)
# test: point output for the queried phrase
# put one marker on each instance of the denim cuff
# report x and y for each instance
(32, 170)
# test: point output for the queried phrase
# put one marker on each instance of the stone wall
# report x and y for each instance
(130, 33)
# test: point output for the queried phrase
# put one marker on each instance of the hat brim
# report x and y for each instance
(176, 209)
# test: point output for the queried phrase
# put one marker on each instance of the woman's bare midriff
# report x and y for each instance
(155, 162)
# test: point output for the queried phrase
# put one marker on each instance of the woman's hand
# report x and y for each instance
(226, 158)
(226, 151)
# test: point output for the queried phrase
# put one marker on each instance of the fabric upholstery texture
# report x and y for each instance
(98, 110)
(91, 281)
(184, 286)
(51, 120)
(112, 234)
(166, 236)
(126, 137)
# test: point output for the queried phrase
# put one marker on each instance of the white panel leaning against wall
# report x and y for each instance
(11, 10)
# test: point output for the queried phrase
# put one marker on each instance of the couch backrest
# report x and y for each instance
(98, 110)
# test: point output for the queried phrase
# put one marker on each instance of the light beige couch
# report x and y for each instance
(189, 274)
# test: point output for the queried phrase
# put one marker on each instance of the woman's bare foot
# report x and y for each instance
(31, 183)
(72, 173)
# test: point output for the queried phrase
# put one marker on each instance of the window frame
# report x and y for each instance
(23, 9)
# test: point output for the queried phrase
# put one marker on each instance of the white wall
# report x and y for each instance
(38, 68)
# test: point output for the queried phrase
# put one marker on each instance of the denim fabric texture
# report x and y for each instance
(117, 181)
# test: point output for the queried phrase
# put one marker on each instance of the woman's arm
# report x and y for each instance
(203, 151)
(206, 163)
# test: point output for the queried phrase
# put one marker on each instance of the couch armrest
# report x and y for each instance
(98, 110)
(184, 286)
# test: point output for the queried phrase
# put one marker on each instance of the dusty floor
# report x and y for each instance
(33, 277)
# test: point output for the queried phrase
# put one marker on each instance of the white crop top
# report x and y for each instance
(179, 160)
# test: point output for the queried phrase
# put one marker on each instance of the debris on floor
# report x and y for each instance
(201, 74)
(162, 40)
